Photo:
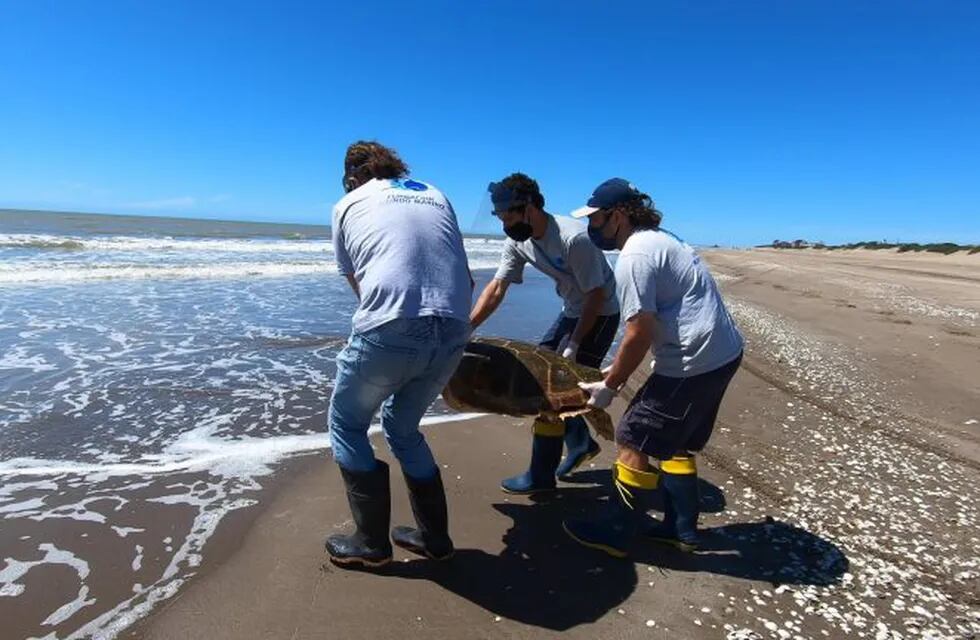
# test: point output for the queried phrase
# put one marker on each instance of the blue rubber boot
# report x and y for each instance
(545, 455)
(679, 528)
(632, 490)
(579, 445)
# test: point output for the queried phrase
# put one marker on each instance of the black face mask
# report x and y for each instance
(519, 232)
(599, 240)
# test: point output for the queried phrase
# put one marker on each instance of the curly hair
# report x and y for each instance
(367, 159)
(524, 187)
(640, 211)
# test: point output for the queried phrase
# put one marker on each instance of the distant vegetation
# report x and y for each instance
(945, 248)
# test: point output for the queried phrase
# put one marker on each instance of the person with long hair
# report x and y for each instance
(670, 306)
(398, 243)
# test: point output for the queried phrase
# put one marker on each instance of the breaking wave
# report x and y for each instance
(34, 273)
(138, 243)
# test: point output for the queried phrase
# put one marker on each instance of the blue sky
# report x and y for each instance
(746, 121)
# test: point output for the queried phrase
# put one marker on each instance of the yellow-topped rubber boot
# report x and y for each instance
(545, 456)
(580, 445)
(632, 490)
(679, 482)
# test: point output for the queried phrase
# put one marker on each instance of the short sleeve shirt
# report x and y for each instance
(661, 274)
(400, 240)
(566, 255)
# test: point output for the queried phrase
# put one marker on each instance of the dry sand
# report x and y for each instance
(840, 494)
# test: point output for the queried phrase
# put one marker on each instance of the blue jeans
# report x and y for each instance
(399, 367)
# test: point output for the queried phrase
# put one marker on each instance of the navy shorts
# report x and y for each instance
(671, 415)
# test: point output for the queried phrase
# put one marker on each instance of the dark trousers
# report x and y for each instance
(670, 416)
(594, 346)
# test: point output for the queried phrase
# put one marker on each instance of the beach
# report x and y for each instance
(165, 471)
(155, 374)
(200, 201)
(839, 494)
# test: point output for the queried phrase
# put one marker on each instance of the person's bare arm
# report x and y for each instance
(637, 339)
(590, 313)
(490, 299)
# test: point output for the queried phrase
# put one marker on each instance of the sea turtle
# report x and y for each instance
(520, 379)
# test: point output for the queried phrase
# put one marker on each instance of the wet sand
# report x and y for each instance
(840, 494)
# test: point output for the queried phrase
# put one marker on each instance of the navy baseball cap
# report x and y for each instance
(503, 198)
(608, 194)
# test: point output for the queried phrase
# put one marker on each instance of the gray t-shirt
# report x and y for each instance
(401, 242)
(660, 273)
(567, 256)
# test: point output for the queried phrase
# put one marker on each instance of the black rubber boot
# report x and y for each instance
(679, 528)
(431, 537)
(630, 500)
(369, 495)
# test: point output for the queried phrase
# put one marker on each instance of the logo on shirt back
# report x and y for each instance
(416, 198)
(411, 185)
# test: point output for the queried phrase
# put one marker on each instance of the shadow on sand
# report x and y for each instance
(544, 579)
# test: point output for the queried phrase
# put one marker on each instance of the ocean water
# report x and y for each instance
(154, 373)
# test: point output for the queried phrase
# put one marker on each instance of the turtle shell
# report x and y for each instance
(521, 379)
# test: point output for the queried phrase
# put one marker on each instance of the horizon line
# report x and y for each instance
(489, 235)
(190, 218)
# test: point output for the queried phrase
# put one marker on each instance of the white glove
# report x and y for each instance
(570, 351)
(600, 396)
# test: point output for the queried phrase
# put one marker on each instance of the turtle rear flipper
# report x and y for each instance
(601, 423)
